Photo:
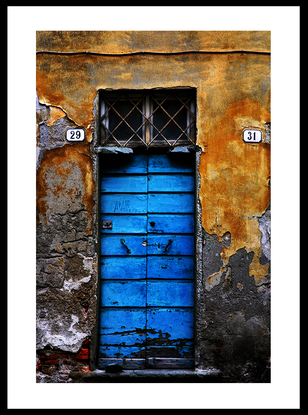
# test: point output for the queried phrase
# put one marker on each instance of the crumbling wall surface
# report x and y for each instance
(66, 258)
(233, 93)
(235, 323)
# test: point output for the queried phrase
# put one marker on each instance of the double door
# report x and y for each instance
(147, 261)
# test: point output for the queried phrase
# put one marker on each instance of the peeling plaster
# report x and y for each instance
(214, 279)
(67, 338)
(89, 265)
(70, 285)
(265, 228)
(54, 115)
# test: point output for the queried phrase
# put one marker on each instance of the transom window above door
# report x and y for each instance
(147, 118)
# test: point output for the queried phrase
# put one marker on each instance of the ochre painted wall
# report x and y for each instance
(233, 93)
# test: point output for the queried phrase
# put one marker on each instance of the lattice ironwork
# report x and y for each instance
(148, 117)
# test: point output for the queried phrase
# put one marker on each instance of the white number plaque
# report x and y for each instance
(252, 136)
(75, 134)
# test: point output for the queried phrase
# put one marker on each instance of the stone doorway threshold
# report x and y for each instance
(148, 376)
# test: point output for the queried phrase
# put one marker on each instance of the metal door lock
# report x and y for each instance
(107, 224)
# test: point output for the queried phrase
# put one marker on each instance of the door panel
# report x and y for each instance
(170, 203)
(170, 183)
(125, 164)
(170, 245)
(126, 224)
(147, 261)
(170, 327)
(121, 352)
(123, 268)
(120, 325)
(158, 223)
(170, 293)
(122, 335)
(173, 164)
(124, 184)
(124, 293)
(112, 245)
(172, 267)
(124, 203)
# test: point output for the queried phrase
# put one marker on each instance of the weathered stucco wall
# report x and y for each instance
(233, 93)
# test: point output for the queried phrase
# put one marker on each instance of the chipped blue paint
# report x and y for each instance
(147, 261)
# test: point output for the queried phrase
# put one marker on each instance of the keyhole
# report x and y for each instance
(152, 224)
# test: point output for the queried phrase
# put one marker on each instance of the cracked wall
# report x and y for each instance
(233, 93)
(66, 258)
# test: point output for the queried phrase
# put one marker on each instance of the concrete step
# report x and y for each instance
(210, 375)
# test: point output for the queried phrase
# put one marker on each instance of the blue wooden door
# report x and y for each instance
(147, 261)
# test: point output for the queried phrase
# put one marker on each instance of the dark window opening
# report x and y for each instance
(148, 117)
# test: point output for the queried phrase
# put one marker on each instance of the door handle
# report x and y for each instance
(129, 251)
(168, 244)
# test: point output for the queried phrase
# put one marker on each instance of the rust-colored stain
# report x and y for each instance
(233, 93)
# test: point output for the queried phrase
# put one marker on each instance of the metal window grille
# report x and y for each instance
(148, 117)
